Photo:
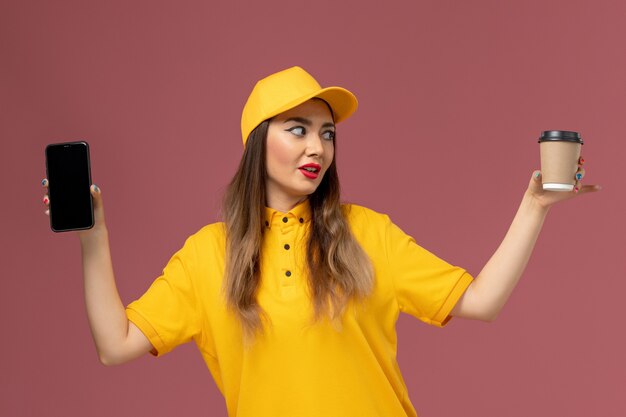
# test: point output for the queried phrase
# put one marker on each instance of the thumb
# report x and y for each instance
(535, 181)
(536, 176)
(95, 191)
(98, 207)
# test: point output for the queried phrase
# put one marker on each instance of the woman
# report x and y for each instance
(293, 300)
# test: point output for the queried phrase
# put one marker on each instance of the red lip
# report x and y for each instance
(312, 165)
(311, 174)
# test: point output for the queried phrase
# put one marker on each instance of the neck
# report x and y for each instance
(284, 204)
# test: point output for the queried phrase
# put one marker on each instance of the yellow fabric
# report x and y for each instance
(296, 368)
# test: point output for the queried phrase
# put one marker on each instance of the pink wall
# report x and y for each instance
(452, 98)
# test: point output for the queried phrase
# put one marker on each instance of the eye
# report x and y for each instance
(297, 130)
(329, 135)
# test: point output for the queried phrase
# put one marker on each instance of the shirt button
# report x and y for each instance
(287, 246)
(288, 273)
(285, 220)
(301, 220)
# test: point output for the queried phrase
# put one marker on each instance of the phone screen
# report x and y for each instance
(69, 179)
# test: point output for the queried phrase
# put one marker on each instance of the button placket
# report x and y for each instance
(288, 229)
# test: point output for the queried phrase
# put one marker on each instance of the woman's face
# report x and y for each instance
(300, 148)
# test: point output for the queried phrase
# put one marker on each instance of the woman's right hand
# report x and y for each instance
(98, 209)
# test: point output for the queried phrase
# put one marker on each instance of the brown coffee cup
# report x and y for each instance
(560, 152)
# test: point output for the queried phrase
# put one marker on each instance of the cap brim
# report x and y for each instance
(342, 101)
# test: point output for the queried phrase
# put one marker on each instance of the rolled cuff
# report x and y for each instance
(148, 330)
(443, 315)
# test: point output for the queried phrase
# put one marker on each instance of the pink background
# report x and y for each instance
(453, 96)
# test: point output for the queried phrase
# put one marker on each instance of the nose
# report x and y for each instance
(315, 145)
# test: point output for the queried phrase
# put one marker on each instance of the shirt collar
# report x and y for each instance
(300, 214)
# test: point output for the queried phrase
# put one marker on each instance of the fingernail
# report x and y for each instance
(537, 174)
(579, 176)
(581, 161)
(575, 189)
(45, 200)
(95, 188)
(44, 182)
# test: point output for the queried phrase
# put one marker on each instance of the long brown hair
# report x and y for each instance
(339, 269)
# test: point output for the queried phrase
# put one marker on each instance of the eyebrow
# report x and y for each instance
(307, 122)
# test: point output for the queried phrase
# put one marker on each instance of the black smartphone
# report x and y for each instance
(69, 178)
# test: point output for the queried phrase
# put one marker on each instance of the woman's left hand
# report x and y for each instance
(547, 198)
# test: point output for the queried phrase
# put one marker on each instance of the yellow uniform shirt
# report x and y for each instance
(297, 369)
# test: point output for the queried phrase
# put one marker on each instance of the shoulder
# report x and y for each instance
(213, 234)
(369, 227)
(363, 216)
(213, 229)
(204, 249)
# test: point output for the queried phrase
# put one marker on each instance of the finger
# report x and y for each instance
(585, 189)
(580, 174)
(46, 200)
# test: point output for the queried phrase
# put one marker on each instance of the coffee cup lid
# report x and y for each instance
(560, 136)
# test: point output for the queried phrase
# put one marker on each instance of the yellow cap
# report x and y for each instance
(287, 89)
